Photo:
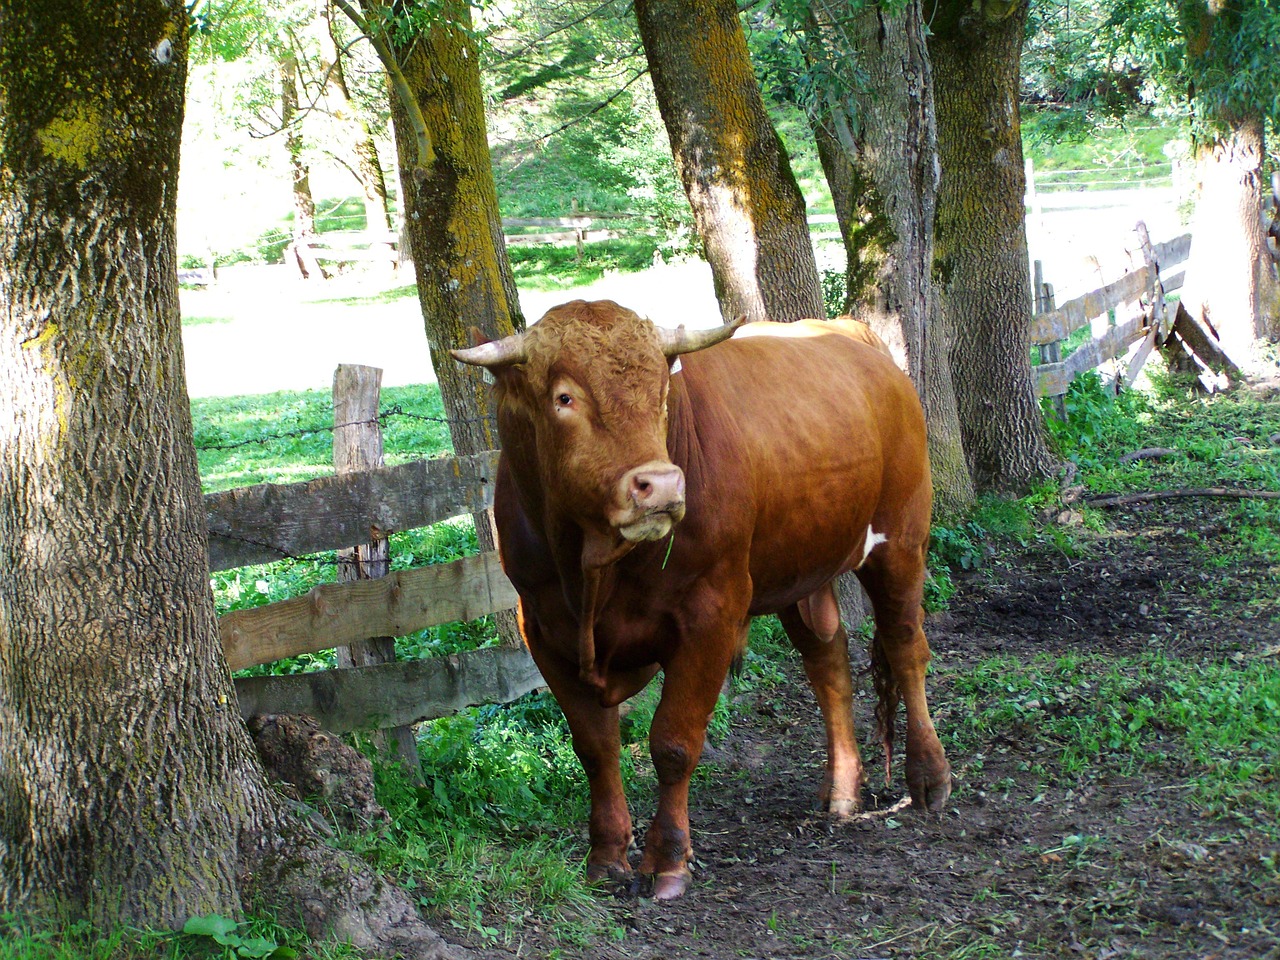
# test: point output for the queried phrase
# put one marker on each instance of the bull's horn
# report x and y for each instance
(680, 340)
(495, 353)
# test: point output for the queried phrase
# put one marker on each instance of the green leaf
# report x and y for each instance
(210, 925)
(257, 947)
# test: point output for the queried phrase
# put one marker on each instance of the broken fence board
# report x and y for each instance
(1074, 314)
(394, 694)
(270, 521)
(335, 614)
(1053, 379)
(1172, 251)
(1203, 343)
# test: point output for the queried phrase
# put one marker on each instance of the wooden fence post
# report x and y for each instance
(1049, 352)
(1160, 324)
(357, 446)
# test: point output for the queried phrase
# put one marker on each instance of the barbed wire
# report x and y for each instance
(390, 413)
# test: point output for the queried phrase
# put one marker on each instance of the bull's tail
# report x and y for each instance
(887, 699)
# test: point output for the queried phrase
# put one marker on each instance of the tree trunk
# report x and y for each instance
(368, 166)
(1231, 278)
(880, 158)
(129, 789)
(455, 229)
(749, 212)
(981, 239)
(304, 205)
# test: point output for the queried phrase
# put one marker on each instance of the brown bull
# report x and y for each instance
(651, 500)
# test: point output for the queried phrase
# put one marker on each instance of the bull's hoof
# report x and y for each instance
(616, 872)
(669, 886)
(844, 808)
(931, 796)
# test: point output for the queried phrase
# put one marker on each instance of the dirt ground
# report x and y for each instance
(998, 875)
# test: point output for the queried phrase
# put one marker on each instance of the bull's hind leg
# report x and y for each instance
(893, 576)
(816, 632)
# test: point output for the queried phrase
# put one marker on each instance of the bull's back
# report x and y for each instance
(818, 437)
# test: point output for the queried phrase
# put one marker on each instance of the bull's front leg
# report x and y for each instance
(596, 741)
(690, 688)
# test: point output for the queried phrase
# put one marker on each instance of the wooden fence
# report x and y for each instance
(269, 522)
(1121, 313)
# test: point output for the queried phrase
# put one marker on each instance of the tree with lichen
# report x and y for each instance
(449, 205)
(861, 72)
(130, 791)
(980, 240)
(749, 211)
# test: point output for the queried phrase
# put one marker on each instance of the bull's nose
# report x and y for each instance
(655, 486)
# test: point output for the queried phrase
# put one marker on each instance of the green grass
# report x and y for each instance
(203, 321)
(1104, 156)
(1095, 716)
(545, 267)
(286, 437)
(494, 834)
(34, 938)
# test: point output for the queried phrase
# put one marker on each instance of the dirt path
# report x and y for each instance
(1029, 860)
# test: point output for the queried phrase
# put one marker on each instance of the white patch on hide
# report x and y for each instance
(873, 540)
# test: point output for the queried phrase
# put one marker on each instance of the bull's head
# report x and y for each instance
(592, 380)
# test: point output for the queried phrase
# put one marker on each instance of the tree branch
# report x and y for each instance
(426, 153)
(1221, 493)
(594, 110)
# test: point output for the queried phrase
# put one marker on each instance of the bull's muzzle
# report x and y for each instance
(652, 501)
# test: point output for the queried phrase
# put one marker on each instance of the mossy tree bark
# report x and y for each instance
(454, 226)
(981, 239)
(129, 789)
(879, 153)
(749, 212)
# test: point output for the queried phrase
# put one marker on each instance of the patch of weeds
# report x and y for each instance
(1099, 424)
(963, 545)
(1084, 715)
(213, 931)
(492, 837)
(209, 937)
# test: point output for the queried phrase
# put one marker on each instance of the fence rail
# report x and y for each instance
(1132, 296)
(269, 521)
(356, 509)
(394, 694)
(337, 614)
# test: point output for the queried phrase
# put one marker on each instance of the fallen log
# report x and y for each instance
(1148, 453)
(1151, 496)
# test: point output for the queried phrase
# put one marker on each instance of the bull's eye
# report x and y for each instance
(564, 400)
